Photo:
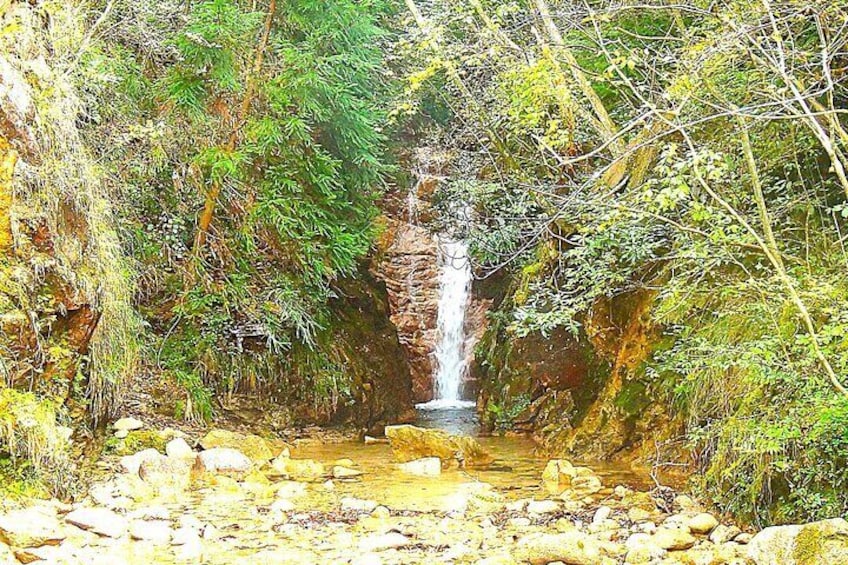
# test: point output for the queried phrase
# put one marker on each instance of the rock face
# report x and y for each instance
(410, 443)
(408, 262)
(817, 543)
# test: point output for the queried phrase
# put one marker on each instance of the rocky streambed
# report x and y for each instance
(428, 498)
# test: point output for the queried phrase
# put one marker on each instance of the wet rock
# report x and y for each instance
(31, 527)
(128, 424)
(101, 521)
(410, 443)
(816, 543)
(340, 472)
(256, 448)
(153, 531)
(574, 548)
(132, 463)
(673, 539)
(223, 461)
(299, 469)
(425, 467)
(178, 448)
(382, 542)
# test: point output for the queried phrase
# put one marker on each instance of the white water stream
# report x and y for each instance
(451, 363)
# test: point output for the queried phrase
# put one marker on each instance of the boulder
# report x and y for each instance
(178, 448)
(425, 467)
(410, 443)
(723, 534)
(574, 548)
(127, 425)
(702, 523)
(101, 521)
(132, 463)
(258, 449)
(816, 543)
(223, 461)
(32, 527)
(299, 469)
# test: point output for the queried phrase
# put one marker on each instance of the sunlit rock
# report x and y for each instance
(411, 442)
(132, 463)
(179, 448)
(223, 461)
(816, 543)
(575, 548)
(101, 521)
(299, 469)
(258, 449)
(31, 527)
(153, 531)
(128, 424)
(673, 539)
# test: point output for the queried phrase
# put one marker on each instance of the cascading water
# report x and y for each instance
(455, 284)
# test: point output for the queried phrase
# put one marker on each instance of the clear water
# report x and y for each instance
(451, 362)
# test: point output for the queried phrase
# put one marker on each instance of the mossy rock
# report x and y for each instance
(816, 543)
(139, 440)
(258, 449)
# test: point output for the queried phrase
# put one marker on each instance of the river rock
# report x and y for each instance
(31, 527)
(816, 543)
(132, 463)
(153, 531)
(382, 542)
(127, 425)
(166, 473)
(358, 504)
(410, 443)
(223, 461)
(259, 450)
(723, 534)
(542, 507)
(299, 469)
(673, 539)
(101, 521)
(178, 448)
(701, 523)
(425, 467)
(559, 472)
(574, 548)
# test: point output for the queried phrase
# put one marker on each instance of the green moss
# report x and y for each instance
(821, 542)
(137, 441)
(633, 398)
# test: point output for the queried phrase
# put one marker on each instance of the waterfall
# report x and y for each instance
(454, 288)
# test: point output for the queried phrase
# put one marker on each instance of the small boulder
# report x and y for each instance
(178, 448)
(673, 539)
(100, 521)
(410, 443)
(723, 534)
(132, 463)
(424, 467)
(223, 461)
(382, 542)
(290, 489)
(358, 504)
(542, 507)
(258, 449)
(299, 469)
(166, 473)
(340, 472)
(559, 472)
(574, 548)
(128, 424)
(702, 523)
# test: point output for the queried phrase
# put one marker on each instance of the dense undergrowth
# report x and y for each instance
(691, 153)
